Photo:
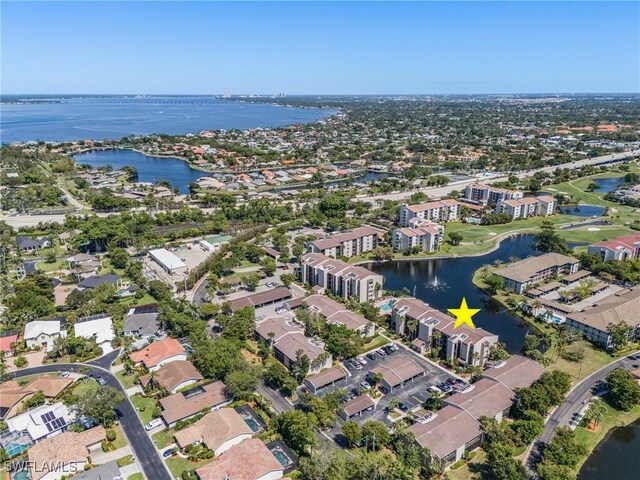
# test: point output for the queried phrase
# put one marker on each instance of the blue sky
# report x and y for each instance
(320, 47)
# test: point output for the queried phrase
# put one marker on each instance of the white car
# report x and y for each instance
(365, 385)
(153, 424)
(361, 360)
(434, 389)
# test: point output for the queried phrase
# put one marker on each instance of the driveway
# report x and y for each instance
(145, 453)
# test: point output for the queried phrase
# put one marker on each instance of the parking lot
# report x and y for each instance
(412, 394)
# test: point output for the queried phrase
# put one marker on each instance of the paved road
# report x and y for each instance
(145, 452)
(562, 415)
(438, 192)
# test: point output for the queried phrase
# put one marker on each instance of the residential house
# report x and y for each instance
(28, 244)
(439, 211)
(431, 328)
(63, 454)
(619, 249)
(249, 460)
(346, 244)
(99, 327)
(340, 278)
(42, 422)
(159, 353)
(83, 265)
(142, 321)
(218, 431)
(287, 339)
(8, 340)
(172, 376)
(43, 333)
(520, 275)
(95, 281)
(188, 403)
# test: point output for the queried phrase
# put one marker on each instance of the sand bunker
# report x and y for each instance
(593, 229)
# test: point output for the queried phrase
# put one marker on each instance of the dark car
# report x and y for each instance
(403, 407)
(168, 453)
(384, 390)
(349, 365)
(355, 392)
(371, 356)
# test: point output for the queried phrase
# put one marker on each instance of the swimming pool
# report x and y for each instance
(386, 306)
(21, 475)
(253, 425)
(282, 458)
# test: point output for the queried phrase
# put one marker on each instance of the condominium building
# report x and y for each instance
(440, 211)
(425, 234)
(340, 278)
(481, 194)
(528, 207)
(463, 345)
(520, 275)
(346, 244)
(620, 249)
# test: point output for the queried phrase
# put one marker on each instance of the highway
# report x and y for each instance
(18, 221)
(145, 452)
(574, 401)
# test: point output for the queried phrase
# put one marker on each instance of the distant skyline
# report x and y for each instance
(319, 47)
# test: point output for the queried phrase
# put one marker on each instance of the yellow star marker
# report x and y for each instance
(463, 314)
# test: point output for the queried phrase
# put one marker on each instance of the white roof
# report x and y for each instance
(33, 421)
(38, 327)
(166, 258)
(100, 328)
(206, 244)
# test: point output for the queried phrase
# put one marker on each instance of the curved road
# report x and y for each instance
(145, 452)
(563, 414)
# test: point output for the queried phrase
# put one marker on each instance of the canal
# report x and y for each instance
(617, 457)
(443, 282)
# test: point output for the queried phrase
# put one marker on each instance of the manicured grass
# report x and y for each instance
(53, 267)
(84, 386)
(163, 438)
(612, 418)
(177, 465)
(127, 381)
(135, 476)
(375, 342)
(467, 471)
(121, 439)
(144, 407)
(126, 460)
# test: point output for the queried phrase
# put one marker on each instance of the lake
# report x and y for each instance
(606, 185)
(583, 210)
(114, 117)
(616, 457)
(150, 169)
(454, 282)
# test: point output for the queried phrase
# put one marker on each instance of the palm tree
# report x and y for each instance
(412, 326)
(271, 336)
(596, 411)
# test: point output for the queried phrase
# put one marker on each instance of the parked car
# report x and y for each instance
(384, 390)
(64, 374)
(281, 310)
(434, 389)
(349, 365)
(371, 356)
(364, 384)
(168, 453)
(355, 392)
(403, 407)
(361, 360)
(155, 423)
(101, 381)
(381, 352)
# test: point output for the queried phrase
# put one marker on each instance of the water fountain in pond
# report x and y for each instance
(435, 284)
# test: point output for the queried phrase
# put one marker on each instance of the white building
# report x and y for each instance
(441, 211)
(99, 327)
(421, 233)
(42, 422)
(43, 333)
(168, 261)
(528, 207)
(346, 244)
(480, 194)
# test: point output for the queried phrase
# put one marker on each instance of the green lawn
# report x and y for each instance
(144, 407)
(612, 418)
(177, 465)
(126, 460)
(121, 439)
(467, 471)
(83, 386)
(163, 438)
(127, 381)
(375, 342)
(135, 476)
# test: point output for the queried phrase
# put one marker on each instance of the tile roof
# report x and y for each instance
(214, 429)
(249, 460)
(613, 309)
(173, 374)
(398, 370)
(357, 405)
(487, 398)
(516, 372)
(185, 404)
(523, 270)
(325, 377)
(157, 352)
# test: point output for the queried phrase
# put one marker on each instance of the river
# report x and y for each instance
(113, 117)
(617, 457)
(454, 281)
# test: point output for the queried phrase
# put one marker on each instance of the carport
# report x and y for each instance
(356, 407)
(397, 371)
(324, 379)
